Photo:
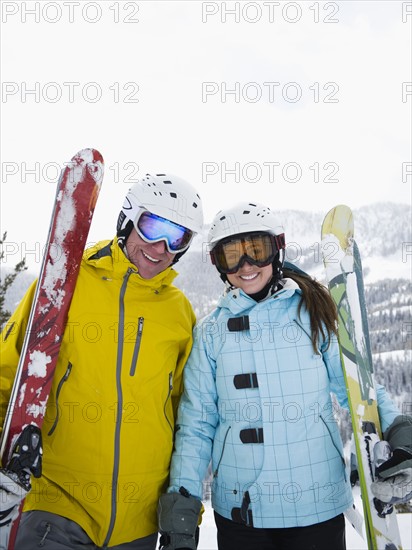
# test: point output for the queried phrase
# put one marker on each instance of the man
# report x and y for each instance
(108, 429)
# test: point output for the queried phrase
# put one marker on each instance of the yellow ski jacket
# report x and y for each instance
(109, 423)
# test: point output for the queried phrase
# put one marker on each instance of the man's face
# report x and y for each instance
(149, 258)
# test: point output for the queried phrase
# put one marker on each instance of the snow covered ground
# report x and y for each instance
(353, 540)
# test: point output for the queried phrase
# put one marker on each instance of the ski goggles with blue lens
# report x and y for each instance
(152, 229)
(256, 248)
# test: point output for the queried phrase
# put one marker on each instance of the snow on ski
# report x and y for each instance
(77, 192)
(344, 274)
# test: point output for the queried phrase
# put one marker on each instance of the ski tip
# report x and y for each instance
(88, 155)
(340, 212)
(93, 160)
(339, 222)
(340, 208)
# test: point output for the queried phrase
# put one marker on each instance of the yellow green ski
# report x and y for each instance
(345, 279)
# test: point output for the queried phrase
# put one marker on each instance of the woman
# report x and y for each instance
(257, 402)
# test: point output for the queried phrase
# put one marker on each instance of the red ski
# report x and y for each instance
(77, 192)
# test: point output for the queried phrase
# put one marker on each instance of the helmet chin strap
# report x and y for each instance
(124, 228)
(178, 256)
(277, 266)
(274, 284)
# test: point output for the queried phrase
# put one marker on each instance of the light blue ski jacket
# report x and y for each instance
(257, 402)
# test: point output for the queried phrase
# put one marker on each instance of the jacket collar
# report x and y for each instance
(108, 257)
(238, 301)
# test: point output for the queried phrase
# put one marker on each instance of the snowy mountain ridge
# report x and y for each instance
(382, 230)
(379, 227)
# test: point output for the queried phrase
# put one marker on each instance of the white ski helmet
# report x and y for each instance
(244, 217)
(167, 196)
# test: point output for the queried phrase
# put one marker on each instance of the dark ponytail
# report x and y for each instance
(318, 303)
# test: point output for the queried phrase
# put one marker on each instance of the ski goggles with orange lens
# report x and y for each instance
(152, 229)
(256, 248)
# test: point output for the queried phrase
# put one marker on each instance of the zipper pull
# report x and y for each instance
(68, 371)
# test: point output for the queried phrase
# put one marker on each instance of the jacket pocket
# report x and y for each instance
(169, 393)
(59, 389)
(8, 332)
(137, 345)
(216, 471)
(59, 530)
(335, 445)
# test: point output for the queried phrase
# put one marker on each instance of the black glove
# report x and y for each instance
(395, 474)
(178, 515)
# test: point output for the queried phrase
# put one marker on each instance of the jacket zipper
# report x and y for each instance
(221, 454)
(46, 533)
(59, 387)
(137, 345)
(119, 360)
(167, 399)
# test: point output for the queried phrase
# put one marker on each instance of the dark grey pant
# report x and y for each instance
(52, 532)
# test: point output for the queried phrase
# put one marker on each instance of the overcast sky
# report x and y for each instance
(299, 105)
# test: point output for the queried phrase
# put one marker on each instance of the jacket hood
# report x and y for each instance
(108, 257)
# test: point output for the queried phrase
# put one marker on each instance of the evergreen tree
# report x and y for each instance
(6, 283)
